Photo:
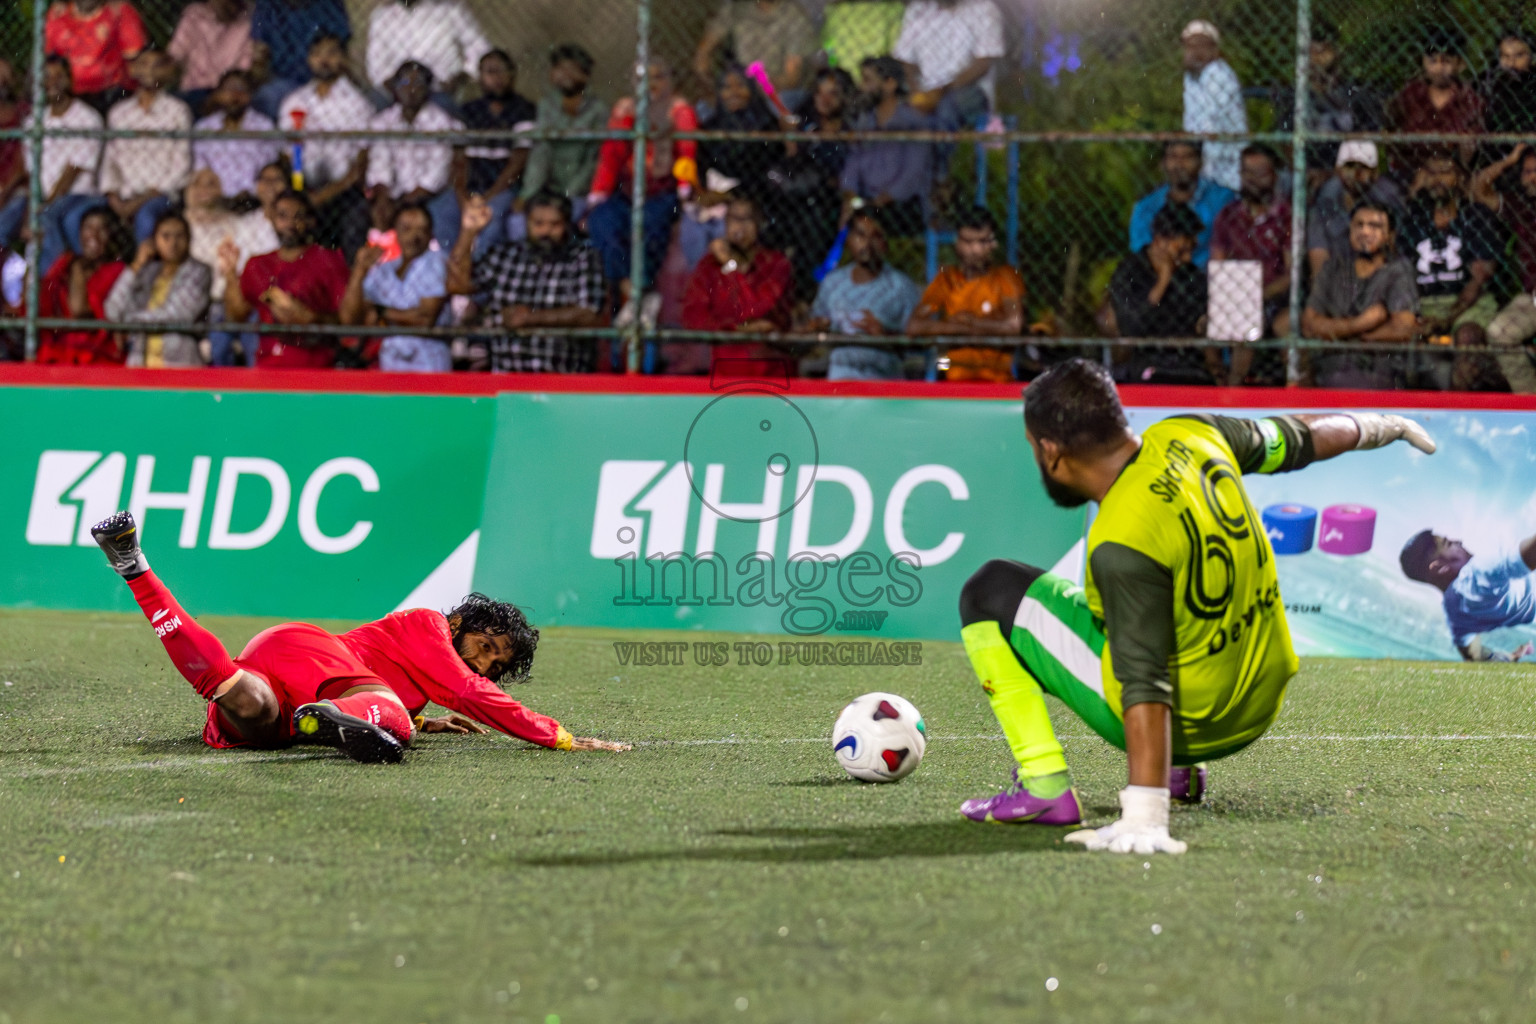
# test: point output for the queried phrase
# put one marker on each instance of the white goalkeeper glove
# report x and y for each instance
(1142, 828)
(1377, 430)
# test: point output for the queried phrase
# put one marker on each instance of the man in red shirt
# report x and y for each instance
(741, 286)
(671, 168)
(300, 283)
(358, 692)
(98, 39)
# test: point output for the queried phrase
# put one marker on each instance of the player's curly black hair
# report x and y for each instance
(480, 614)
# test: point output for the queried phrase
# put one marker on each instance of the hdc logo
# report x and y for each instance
(645, 512)
(74, 490)
(642, 518)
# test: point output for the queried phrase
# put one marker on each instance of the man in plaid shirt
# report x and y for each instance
(550, 279)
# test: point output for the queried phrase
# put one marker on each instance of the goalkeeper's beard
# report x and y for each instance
(1060, 493)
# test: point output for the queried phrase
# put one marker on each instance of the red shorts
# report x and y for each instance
(302, 664)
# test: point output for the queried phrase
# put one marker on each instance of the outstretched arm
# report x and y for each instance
(1281, 444)
(451, 683)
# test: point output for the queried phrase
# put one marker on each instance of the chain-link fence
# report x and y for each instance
(957, 189)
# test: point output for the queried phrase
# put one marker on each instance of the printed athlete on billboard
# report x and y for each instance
(358, 692)
(1176, 650)
(1480, 593)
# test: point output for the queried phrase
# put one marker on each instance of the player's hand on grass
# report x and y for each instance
(593, 743)
(1123, 838)
(1142, 828)
(452, 723)
(1377, 430)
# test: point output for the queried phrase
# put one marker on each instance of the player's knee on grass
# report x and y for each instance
(251, 708)
(995, 591)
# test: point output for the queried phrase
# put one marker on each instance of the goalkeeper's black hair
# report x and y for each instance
(480, 614)
(1075, 404)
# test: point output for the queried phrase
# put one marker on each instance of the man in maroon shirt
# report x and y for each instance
(741, 286)
(300, 283)
(1435, 101)
(1257, 226)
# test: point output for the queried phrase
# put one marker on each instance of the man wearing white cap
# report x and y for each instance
(1213, 100)
(1356, 176)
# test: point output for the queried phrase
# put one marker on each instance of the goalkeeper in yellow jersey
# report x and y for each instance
(1177, 649)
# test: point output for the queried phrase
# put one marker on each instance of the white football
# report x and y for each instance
(879, 737)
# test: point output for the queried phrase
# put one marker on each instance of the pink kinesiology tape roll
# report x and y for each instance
(1347, 529)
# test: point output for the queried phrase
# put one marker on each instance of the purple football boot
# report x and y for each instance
(1016, 805)
(1187, 785)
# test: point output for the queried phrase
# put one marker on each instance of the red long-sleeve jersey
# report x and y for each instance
(413, 652)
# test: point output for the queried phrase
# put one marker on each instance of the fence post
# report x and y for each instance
(633, 332)
(34, 253)
(1299, 185)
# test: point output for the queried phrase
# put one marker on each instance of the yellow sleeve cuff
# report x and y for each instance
(562, 738)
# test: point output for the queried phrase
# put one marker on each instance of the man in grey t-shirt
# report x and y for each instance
(1367, 296)
(1355, 178)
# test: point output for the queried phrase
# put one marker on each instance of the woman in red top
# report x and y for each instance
(670, 168)
(77, 286)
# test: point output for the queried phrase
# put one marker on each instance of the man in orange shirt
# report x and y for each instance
(977, 298)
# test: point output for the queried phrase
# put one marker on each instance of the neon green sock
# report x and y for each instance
(1020, 708)
(1048, 787)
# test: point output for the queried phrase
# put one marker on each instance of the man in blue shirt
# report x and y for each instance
(864, 296)
(410, 291)
(1481, 594)
(895, 177)
(1181, 166)
(282, 31)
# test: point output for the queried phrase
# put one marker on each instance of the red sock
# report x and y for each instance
(382, 709)
(195, 652)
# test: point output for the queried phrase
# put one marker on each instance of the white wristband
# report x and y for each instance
(1144, 806)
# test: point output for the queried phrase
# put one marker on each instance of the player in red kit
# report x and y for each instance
(359, 691)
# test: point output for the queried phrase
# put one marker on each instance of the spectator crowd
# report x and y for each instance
(419, 229)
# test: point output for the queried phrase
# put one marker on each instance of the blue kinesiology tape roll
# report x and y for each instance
(1290, 528)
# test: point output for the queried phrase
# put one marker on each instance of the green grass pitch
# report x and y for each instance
(1371, 860)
